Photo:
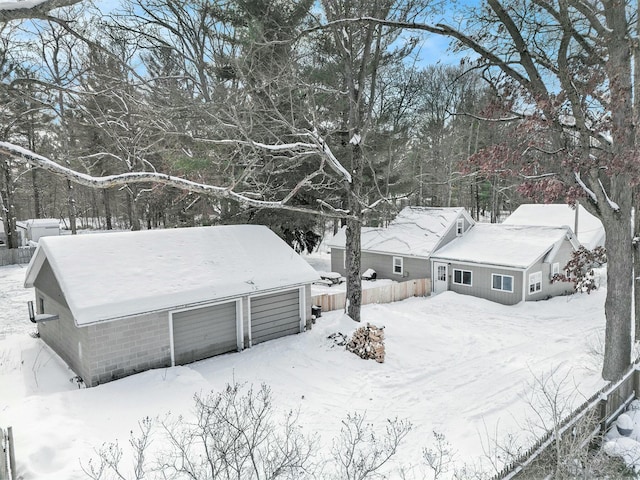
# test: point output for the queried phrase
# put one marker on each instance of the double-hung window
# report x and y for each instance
(535, 282)
(462, 277)
(502, 282)
(460, 227)
(398, 265)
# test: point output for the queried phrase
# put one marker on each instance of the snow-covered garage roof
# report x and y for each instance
(112, 275)
(590, 230)
(503, 245)
(416, 231)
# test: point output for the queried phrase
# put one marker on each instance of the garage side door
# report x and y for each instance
(274, 316)
(204, 332)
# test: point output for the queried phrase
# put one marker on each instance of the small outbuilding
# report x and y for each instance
(36, 228)
(507, 264)
(115, 304)
(402, 250)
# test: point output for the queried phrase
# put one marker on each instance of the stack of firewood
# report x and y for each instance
(368, 343)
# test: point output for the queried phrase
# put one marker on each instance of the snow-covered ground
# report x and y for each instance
(455, 364)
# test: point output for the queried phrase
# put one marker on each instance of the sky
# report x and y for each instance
(433, 48)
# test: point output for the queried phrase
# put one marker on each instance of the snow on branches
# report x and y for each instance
(25, 9)
(323, 209)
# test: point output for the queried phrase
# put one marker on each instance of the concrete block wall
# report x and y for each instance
(69, 342)
(124, 347)
(15, 256)
(110, 350)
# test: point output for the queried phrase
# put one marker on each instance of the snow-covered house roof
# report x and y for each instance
(590, 230)
(106, 276)
(515, 246)
(415, 232)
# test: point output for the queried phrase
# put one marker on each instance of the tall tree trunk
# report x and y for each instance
(132, 209)
(619, 280)
(636, 265)
(354, 261)
(8, 205)
(106, 196)
(353, 234)
(618, 223)
(71, 204)
(636, 192)
(37, 205)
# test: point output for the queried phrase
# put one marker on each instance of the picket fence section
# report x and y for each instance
(392, 292)
(594, 416)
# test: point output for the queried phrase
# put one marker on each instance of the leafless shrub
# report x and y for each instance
(109, 456)
(235, 436)
(361, 452)
(570, 450)
(439, 457)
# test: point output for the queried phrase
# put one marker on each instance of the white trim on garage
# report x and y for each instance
(302, 295)
(239, 325)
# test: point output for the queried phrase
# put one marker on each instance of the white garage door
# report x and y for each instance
(204, 332)
(275, 315)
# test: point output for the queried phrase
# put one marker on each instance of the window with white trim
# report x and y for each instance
(501, 282)
(398, 265)
(460, 227)
(555, 269)
(442, 273)
(535, 282)
(462, 277)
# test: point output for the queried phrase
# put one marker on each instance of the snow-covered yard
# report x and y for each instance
(455, 364)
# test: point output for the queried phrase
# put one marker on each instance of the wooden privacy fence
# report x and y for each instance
(14, 256)
(7, 456)
(391, 292)
(592, 418)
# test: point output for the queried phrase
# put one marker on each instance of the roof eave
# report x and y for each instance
(203, 302)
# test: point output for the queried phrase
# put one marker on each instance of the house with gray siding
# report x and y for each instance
(114, 304)
(401, 251)
(507, 264)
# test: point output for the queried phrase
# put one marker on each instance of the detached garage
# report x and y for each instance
(114, 304)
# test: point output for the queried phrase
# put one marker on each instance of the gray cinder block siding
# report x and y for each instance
(106, 351)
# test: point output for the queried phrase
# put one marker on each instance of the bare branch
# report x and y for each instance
(109, 181)
(16, 11)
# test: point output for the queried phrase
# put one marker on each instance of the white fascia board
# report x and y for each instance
(478, 264)
(397, 254)
(35, 264)
(190, 306)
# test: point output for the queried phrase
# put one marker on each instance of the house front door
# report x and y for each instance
(440, 277)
